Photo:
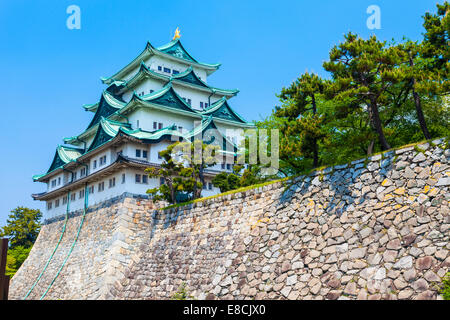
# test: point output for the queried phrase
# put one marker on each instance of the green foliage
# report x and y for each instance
(305, 121)
(182, 293)
(231, 181)
(445, 288)
(16, 256)
(380, 96)
(226, 181)
(22, 228)
(183, 170)
(436, 43)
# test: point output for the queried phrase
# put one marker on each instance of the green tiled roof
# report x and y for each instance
(221, 109)
(64, 155)
(106, 107)
(188, 77)
(173, 49)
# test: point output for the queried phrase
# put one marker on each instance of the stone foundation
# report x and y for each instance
(376, 228)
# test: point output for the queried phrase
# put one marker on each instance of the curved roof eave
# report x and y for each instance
(148, 51)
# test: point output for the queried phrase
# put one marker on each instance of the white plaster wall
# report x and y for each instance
(195, 95)
(155, 61)
(147, 116)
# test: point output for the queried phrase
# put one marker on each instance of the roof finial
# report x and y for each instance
(177, 34)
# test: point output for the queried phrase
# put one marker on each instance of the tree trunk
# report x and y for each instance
(172, 193)
(377, 125)
(370, 147)
(315, 147)
(418, 104)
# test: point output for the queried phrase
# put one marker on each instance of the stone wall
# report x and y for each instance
(376, 228)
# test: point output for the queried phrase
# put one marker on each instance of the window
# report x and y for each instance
(223, 166)
(166, 70)
(144, 178)
(56, 203)
(59, 181)
(102, 160)
(53, 183)
(72, 197)
(137, 123)
(160, 125)
(159, 156)
(49, 205)
(155, 125)
(83, 172)
(206, 105)
(180, 129)
(204, 186)
(91, 189)
(65, 200)
(159, 68)
(138, 178)
(123, 177)
(151, 91)
(119, 152)
(161, 181)
(95, 164)
(201, 104)
(138, 153)
(74, 176)
(112, 182)
(228, 166)
(81, 194)
(189, 101)
(210, 185)
(101, 186)
(175, 71)
(144, 153)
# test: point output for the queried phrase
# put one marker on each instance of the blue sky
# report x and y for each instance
(49, 71)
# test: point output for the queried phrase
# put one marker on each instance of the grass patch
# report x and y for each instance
(255, 186)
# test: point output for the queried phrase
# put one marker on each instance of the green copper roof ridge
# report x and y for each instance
(215, 104)
(172, 44)
(146, 70)
(218, 104)
(164, 90)
(109, 97)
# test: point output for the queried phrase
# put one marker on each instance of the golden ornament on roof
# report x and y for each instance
(177, 34)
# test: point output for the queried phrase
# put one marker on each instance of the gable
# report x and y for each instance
(56, 163)
(192, 78)
(104, 110)
(100, 138)
(171, 99)
(178, 51)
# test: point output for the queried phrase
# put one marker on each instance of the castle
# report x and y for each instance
(160, 97)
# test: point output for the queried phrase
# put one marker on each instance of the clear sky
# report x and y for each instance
(49, 71)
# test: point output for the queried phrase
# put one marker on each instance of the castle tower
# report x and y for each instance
(161, 96)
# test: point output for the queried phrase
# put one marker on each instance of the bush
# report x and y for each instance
(445, 288)
(182, 293)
